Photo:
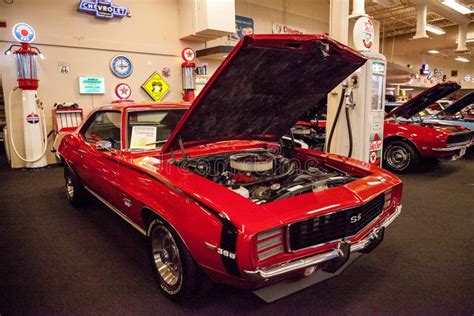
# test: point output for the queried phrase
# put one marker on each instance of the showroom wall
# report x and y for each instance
(149, 37)
(403, 51)
(87, 44)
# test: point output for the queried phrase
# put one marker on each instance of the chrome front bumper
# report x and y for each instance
(458, 146)
(277, 270)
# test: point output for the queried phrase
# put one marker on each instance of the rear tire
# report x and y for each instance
(174, 269)
(75, 191)
(400, 157)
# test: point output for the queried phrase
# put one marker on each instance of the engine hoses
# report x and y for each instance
(10, 131)
(333, 127)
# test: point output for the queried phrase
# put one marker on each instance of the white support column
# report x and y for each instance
(358, 8)
(339, 30)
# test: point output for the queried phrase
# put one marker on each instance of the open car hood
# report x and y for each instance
(458, 105)
(423, 100)
(263, 87)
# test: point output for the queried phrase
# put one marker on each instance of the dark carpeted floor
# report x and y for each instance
(58, 259)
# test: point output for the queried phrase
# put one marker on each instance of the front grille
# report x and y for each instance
(326, 228)
(459, 138)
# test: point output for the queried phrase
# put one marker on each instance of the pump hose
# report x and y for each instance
(10, 132)
(333, 127)
(349, 128)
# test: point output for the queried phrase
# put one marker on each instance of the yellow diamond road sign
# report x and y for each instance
(156, 86)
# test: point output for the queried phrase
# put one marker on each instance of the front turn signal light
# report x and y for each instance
(269, 243)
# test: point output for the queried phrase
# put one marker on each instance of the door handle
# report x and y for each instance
(81, 151)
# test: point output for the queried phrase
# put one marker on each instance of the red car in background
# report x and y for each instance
(407, 138)
(212, 187)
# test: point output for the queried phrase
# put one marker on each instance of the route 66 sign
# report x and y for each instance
(64, 68)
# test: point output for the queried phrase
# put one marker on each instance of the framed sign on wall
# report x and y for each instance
(91, 85)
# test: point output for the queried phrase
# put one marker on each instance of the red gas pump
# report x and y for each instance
(187, 70)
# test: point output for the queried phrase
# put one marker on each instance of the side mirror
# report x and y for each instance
(103, 145)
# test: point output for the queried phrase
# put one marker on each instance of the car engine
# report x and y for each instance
(263, 176)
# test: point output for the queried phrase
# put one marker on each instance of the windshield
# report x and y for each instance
(150, 129)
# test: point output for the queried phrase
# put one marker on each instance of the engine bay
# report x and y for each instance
(263, 176)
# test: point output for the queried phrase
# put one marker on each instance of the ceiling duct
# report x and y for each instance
(462, 37)
(421, 10)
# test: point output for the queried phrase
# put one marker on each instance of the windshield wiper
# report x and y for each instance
(157, 142)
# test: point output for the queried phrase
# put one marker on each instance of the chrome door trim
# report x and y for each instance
(123, 216)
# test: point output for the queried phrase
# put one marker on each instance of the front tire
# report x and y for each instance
(400, 157)
(173, 267)
(75, 191)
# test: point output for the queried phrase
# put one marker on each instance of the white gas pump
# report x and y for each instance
(34, 127)
(357, 132)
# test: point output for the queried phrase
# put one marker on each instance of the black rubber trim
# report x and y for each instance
(229, 242)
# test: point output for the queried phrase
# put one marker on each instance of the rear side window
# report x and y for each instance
(105, 126)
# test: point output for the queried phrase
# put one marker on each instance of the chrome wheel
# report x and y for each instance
(398, 157)
(69, 188)
(166, 255)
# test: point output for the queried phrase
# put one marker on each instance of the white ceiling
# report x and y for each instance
(398, 17)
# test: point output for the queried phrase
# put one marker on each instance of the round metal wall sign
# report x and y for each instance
(121, 66)
(23, 33)
(123, 91)
(363, 34)
(188, 54)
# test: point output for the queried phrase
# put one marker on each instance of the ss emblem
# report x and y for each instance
(356, 218)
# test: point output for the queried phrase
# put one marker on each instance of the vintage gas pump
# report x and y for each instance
(357, 131)
(187, 71)
(34, 127)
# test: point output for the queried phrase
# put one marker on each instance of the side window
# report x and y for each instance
(105, 126)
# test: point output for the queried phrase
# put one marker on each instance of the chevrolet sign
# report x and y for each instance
(103, 9)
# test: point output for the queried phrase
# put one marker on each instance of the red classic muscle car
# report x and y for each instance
(212, 187)
(408, 138)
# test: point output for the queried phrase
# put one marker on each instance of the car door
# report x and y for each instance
(98, 166)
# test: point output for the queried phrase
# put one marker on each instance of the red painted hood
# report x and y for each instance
(263, 87)
(423, 100)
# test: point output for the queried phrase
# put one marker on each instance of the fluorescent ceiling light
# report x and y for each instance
(408, 89)
(433, 51)
(434, 29)
(453, 4)
(462, 59)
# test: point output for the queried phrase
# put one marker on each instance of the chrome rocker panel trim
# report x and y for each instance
(456, 147)
(276, 270)
(116, 211)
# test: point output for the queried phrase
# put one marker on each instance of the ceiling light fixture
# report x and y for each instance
(434, 29)
(462, 59)
(459, 7)
(433, 51)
